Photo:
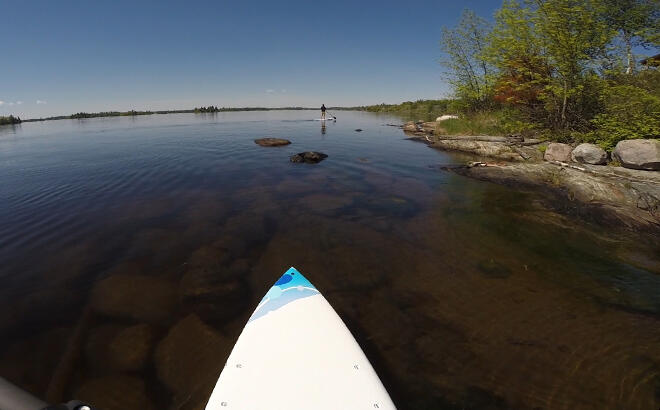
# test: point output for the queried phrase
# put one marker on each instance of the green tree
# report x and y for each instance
(574, 36)
(516, 50)
(467, 67)
(636, 24)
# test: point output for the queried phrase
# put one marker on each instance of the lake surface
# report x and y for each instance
(133, 250)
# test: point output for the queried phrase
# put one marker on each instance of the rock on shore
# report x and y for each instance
(615, 195)
(589, 154)
(558, 152)
(638, 154)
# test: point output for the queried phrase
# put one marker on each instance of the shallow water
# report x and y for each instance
(134, 249)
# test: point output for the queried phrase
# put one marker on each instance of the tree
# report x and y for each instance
(636, 24)
(573, 37)
(516, 50)
(468, 69)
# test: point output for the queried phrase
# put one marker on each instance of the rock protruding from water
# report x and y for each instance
(143, 298)
(358, 130)
(310, 157)
(190, 358)
(558, 152)
(271, 142)
(446, 117)
(638, 154)
(589, 154)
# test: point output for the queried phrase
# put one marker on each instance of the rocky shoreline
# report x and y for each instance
(620, 195)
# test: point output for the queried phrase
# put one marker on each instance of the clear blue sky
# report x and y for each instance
(117, 55)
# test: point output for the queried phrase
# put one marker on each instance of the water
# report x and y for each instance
(134, 249)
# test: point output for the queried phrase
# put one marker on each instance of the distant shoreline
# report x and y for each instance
(201, 110)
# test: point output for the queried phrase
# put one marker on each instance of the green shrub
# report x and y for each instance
(629, 112)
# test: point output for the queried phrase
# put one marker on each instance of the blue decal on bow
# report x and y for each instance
(289, 287)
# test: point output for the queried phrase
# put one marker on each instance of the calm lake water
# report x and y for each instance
(133, 250)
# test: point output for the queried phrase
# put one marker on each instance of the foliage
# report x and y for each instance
(559, 68)
(629, 112)
(210, 108)
(477, 123)
(82, 115)
(635, 23)
(9, 120)
(468, 68)
(418, 110)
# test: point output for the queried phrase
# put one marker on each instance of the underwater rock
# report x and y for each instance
(143, 298)
(130, 348)
(190, 358)
(116, 392)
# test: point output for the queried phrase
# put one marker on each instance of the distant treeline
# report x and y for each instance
(10, 120)
(209, 109)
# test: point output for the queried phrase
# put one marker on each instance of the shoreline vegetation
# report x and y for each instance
(9, 120)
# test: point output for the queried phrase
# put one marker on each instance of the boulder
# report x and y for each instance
(271, 142)
(410, 126)
(309, 157)
(638, 154)
(213, 294)
(116, 392)
(429, 127)
(129, 350)
(146, 299)
(558, 152)
(211, 256)
(324, 203)
(589, 154)
(446, 117)
(190, 358)
(97, 353)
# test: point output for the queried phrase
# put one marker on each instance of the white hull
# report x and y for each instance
(295, 353)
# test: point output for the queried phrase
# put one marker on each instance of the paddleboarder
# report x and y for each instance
(323, 111)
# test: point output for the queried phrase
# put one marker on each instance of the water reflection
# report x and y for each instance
(463, 294)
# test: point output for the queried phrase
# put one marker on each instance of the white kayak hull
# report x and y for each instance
(295, 353)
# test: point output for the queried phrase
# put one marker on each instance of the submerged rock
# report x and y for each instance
(271, 142)
(589, 154)
(310, 157)
(190, 358)
(117, 392)
(638, 154)
(325, 204)
(130, 348)
(143, 298)
(97, 352)
(558, 152)
(213, 295)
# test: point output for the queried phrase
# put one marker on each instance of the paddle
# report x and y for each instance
(333, 117)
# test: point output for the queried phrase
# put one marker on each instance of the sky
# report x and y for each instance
(61, 57)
